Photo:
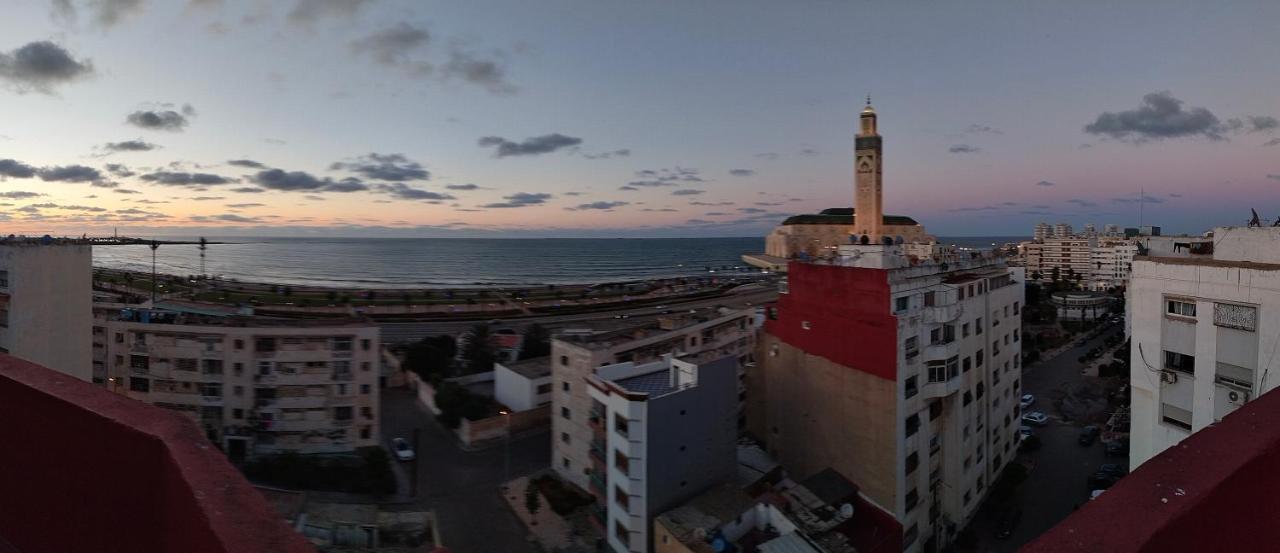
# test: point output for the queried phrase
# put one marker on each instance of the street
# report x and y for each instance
(462, 486)
(1056, 484)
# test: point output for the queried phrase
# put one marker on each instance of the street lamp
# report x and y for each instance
(506, 456)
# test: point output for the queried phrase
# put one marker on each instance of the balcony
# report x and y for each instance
(942, 351)
(304, 402)
(933, 390)
(943, 313)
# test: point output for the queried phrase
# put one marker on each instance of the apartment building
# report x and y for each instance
(256, 385)
(901, 374)
(703, 336)
(1070, 256)
(46, 303)
(662, 432)
(1043, 230)
(1063, 230)
(1112, 261)
(1203, 316)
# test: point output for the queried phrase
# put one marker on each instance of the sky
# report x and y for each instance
(629, 119)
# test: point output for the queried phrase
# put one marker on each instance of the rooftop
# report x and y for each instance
(842, 216)
(1214, 491)
(655, 383)
(662, 327)
(93, 463)
(537, 367)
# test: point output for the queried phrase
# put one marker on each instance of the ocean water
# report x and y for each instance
(438, 262)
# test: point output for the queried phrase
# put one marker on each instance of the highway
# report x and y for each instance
(745, 296)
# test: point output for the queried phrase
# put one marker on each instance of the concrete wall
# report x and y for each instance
(516, 391)
(475, 432)
(50, 307)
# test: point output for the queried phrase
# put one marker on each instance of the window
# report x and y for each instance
(982, 389)
(342, 343)
(928, 299)
(366, 412)
(342, 413)
(971, 294)
(139, 363)
(1006, 311)
(977, 358)
(564, 463)
(564, 386)
(564, 360)
(913, 424)
(211, 390)
(264, 344)
(620, 425)
(981, 486)
(937, 371)
(621, 462)
(264, 368)
(977, 326)
(1180, 362)
(139, 384)
(364, 389)
(364, 366)
(995, 376)
(186, 364)
(1175, 416)
(995, 347)
(237, 369)
(995, 317)
(1015, 334)
(366, 432)
(239, 344)
(912, 500)
(564, 413)
(544, 388)
(564, 437)
(1180, 308)
(966, 431)
(935, 410)
(968, 397)
(911, 387)
(119, 337)
(1016, 310)
(620, 532)
(901, 304)
(911, 347)
(964, 330)
(977, 455)
(212, 366)
(1006, 421)
(237, 414)
(1241, 317)
(621, 498)
(966, 364)
(948, 333)
(935, 336)
(238, 391)
(365, 344)
(967, 498)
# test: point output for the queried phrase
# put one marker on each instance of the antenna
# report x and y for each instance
(1142, 197)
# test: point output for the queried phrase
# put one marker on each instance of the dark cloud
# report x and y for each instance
(387, 167)
(487, 73)
(699, 222)
(41, 66)
(521, 199)
(716, 213)
(1082, 203)
(1175, 195)
(226, 217)
(129, 146)
(158, 120)
(687, 192)
(465, 187)
(69, 173)
(406, 192)
(1159, 117)
(244, 206)
(177, 178)
(1262, 123)
(108, 13)
(711, 203)
(208, 198)
(314, 197)
(768, 204)
(752, 210)
(536, 145)
(1045, 183)
(606, 155)
(628, 188)
(741, 172)
(10, 168)
(125, 191)
(309, 11)
(964, 149)
(981, 129)
(246, 163)
(665, 177)
(972, 209)
(248, 190)
(19, 195)
(1273, 177)
(661, 210)
(119, 170)
(574, 194)
(604, 206)
(1272, 142)
(394, 47)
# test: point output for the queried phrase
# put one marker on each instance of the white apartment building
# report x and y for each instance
(1072, 257)
(1112, 262)
(903, 377)
(700, 337)
(663, 432)
(1063, 230)
(1043, 230)
(1204, 317)
(256, 385)
(46, 303)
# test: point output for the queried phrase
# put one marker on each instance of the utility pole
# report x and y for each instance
(154, 246)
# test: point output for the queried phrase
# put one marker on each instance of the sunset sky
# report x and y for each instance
(654, 118)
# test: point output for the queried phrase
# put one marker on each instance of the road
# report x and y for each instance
(462, 486)
(1057, 482)
(743, 296)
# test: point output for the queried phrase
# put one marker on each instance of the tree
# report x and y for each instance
(432, 357)
(1055, 275)
(333, 296)
(531, 502)
(477, 349)
(537, 342)
(1035, 275)
(456, 403)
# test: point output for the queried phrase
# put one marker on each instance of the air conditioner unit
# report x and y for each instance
(1168, 377)
(1237, 397)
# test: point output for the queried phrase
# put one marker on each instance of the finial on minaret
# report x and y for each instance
(868, 99)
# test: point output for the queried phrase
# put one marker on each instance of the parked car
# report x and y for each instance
(1027, 400)
(1008, 522)
(402, 449)
(1025, 432)
(1113, 468)
(1102, 480)
(1117, 448)
(1094, 494)
(1088, 435)
(1035, 418)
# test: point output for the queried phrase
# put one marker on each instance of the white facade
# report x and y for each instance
(1043, 230)
(46, 304)
(1112, 262)
(1203, 330)
(254, 385)
(1062, 230)
(523, 385)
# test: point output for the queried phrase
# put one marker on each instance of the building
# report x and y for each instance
(1111, 230)
(818, 235)
(1070, 259)
(700, 337)
(1043, 230)
(1203, 316)
(46, 303)
(663, 432)
(900, 373)
(82, 466)
(1090, 230)
(523, 385)
(256, 385)
(1062, 230)
(1079, 305)
(1112, 260)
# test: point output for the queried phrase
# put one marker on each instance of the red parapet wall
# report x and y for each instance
(83, 469)
(1218, 490)
(847, 314)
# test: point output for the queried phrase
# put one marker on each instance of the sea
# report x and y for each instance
(451, 262)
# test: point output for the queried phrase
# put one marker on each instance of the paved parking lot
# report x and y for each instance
(1057, 482)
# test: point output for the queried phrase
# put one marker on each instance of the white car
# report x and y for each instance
(402, 449)
(1027, 400)
(1036, 418)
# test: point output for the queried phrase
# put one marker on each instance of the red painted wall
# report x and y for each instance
(83, 469)
(848, 313)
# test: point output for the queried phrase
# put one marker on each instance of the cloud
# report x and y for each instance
(19, 195)
(981, 129)
(964, 149)
(158, 120)
(625, 152)
(699, 222)
(810, 152)
(752, 210)
(387, 167)
(687, 192)
(1082, 203)
(125, 191)
(316, 198)
(1273, 177)
(119, 170)
(69, 173)
(108, 13)
(1272, 142)
(172, 178)
(521, 199)
(1144, 199)
(661, 210)
(741, 172)
(129, 146)
(306, 12)
(244, 206)
(208, 198)
(536, 145)
(489, 74)
(393, 47)
(10, 168)
(406, 192)
(768, 204)
(41, 66)
(767, 155)
(1045, 183)
(665, 177)
(1159, 117)
(248, 190)
(227, 217)
(1262, 123)
(251, 164)
(710, 203)
(290, 181)
(970, 209)
(628, 188)
(604, 206)
(465, 187)
(715, 213)
(574, 194)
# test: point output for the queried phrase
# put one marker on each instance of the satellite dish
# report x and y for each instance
(846, 510)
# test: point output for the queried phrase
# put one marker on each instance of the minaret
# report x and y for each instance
(868, 204)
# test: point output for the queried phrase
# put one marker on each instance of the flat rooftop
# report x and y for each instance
(538, 367)
(675, 322)
(655, 383)
(1209, 262)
